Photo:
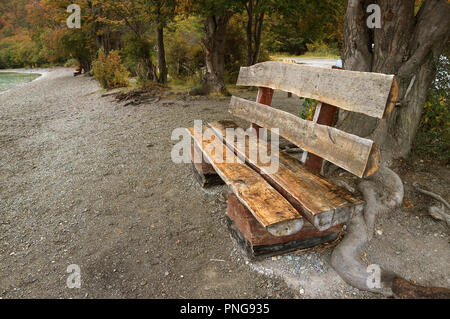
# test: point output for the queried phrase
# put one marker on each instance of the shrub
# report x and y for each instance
(139, 58)
(309, 109)
(236, 50)
(109, 71)
(184, 52)
(71, 63)
(18, 51)
(320, 48)
(433, 138)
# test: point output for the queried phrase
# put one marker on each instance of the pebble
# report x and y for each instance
(302, 291)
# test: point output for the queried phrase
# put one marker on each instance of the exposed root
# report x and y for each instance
(149, 94)
(383, 192)
(433, 195)
(406, 290)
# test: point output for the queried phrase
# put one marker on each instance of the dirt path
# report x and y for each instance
(85, 181)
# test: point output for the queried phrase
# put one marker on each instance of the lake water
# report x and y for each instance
(9, 80)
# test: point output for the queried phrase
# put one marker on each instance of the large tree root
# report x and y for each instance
(406, 290)
(383, 192)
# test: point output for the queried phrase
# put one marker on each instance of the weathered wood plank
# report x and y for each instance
(322, 203)
(271, 209)
(347, 151)
(360, 92)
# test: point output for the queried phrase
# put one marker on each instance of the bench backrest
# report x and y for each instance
(372, 94)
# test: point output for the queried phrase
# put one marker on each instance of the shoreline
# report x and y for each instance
(41, 72)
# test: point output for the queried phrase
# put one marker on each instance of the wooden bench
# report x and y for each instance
(271, 212)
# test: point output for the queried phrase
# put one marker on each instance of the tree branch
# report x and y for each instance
(431, 33)
(357, 55)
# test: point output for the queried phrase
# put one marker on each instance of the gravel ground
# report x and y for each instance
(86, 181)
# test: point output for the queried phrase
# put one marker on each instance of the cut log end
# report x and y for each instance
(373, 164)
(392, 99)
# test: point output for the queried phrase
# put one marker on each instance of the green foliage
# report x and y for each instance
(322, 49)
(433, 138)
(184, 51)
(109, 71)
(309, 108)
(235, 51)
(294, 24)
(139, 55)
(19, 52)
(71, 63)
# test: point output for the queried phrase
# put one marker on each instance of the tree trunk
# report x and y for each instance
(255, 20)
(408, 46)
(161, 57)
(214, 43)
(258, 37)
(249, 32)
(86, 65)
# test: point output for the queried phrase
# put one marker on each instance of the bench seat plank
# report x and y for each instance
(372, 94)
(350, 152)
(268, 206)
(322, 203)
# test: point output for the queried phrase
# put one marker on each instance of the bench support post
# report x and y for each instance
(257, 242)
(324, 115)
(265, 96)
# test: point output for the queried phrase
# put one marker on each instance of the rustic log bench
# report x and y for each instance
(294, 207)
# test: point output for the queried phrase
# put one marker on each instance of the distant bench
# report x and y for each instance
(294, 207)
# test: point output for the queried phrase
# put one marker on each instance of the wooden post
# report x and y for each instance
(265, 96)
(324, 115)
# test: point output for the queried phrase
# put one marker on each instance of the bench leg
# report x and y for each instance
(204, 172)
(258, 243)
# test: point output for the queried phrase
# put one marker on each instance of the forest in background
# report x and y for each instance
(176, 42)
(34, 33)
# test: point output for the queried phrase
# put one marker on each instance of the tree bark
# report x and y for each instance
(408, 46)
(255, 21)
(249, 32)
(162, 65)
(214, 43)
